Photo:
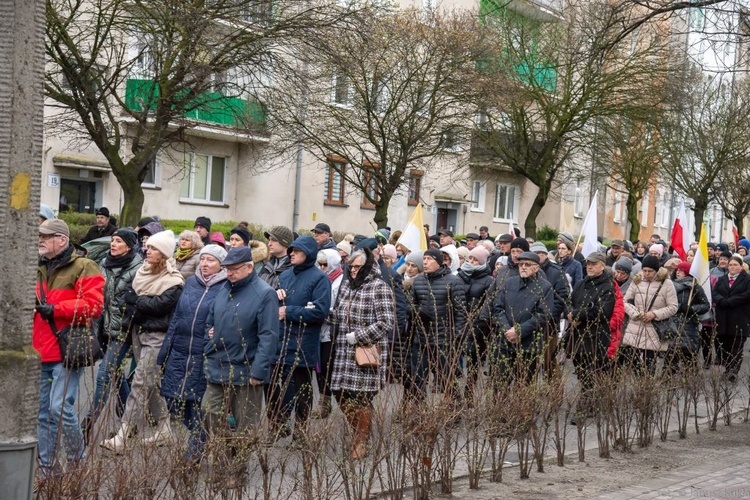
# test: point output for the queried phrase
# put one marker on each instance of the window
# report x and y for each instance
(415, 187)
(153, 174)
(506, 202)
(204, 178)
(618, 204)
(578, 199)
(478, 192)
(335, 191)
(370, 186)
(341, 92)
(142, 59)
(449, 139)
(381, 95)
(644, 208)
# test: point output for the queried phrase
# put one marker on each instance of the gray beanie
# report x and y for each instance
(623, 264)
(416, 258)
(216, 251)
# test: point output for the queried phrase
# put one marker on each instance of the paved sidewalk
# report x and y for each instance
(726, 480)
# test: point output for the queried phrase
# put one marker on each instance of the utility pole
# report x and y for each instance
(21, 126)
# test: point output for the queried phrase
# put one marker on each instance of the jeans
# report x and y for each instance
(110, 369)
(192, 417)
(58, 389)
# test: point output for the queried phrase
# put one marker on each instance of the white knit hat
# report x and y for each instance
(216, 251)
(162, 241)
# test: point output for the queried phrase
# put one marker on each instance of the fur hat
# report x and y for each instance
(162, 241)
(215, 251)
(480, 253)
(259, 251)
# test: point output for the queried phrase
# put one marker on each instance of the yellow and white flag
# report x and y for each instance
(699, 269)
(413, 237)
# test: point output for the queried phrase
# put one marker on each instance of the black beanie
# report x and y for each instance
(520, 243)
(145, 221)
(203, 222)
(242, 233)
(436, 254)
(651, 262)
(103, 211)
(128, 236)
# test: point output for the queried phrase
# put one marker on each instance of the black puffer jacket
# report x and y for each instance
(118, 282)
(438, 308)
(152, 313)
(527, 305)
(559, 281)
(689, 307)
(592, 304)
(477, 285)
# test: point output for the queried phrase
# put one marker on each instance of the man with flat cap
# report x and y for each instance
(323, 236)
(522, 311)
(102, 228)
(242, 335)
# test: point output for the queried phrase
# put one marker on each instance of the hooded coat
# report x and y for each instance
(181, 353)
(638, 333)
(592, 306)
(307, 302)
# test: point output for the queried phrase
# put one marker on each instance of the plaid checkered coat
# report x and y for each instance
(369, 312)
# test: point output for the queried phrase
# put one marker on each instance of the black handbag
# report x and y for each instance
(79, 346)
(666, 329)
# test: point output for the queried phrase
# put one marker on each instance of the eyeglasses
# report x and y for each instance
(526, 264)
(48, 236)
(355, 267)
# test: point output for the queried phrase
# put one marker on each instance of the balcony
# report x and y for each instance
(210, 107)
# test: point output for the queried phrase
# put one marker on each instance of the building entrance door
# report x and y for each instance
(77, 196)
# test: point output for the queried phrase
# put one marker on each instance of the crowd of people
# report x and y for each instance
(225, 333)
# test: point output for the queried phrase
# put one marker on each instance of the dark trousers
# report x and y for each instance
(708, 340)
(642, 361)
(729, 352)
(679, 359)
(290, 391)
(513, 366)
(426, 359)
(323, 377)
(190, 414)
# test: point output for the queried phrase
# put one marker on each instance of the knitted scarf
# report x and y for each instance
(183, 254)
(150, 282)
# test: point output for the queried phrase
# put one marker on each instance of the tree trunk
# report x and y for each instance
(698, 211)
(128, 178)
(381, 210)
(529, 225)
(631, 205)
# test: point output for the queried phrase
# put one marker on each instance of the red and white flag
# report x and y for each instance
(679, 232)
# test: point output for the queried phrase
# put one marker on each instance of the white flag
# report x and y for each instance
(589, 231)
(699, 269)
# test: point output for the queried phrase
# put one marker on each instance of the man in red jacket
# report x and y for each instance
(69, 290)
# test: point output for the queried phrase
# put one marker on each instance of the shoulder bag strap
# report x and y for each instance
(653, 299)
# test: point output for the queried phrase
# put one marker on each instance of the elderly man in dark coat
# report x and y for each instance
(522, 311)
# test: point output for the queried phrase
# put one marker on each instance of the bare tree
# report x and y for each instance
(627, 157)
(382, 96)
(133, 76)
(567, 74)
(704, 133)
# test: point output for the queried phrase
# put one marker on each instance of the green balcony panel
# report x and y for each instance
(209, 107)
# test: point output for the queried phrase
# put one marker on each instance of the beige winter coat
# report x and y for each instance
(637, 300)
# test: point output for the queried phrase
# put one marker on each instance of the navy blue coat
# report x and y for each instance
(245, 318)
(182, 351)
(308, 302)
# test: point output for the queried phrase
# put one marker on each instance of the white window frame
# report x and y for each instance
(617, 210)
(578, 200)
(156, 165)
(478, 196)
(140, 54)
(644, 208)
(381, 94)
(335, 83)
(209, 171)
(510, 212)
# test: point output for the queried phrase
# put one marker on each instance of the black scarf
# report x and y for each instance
(121, 261)
(58, 260)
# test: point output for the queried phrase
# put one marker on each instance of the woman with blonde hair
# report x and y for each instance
(157, 287)
(186, 256)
